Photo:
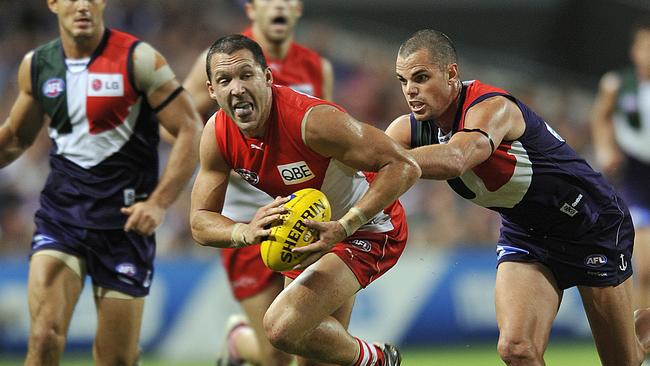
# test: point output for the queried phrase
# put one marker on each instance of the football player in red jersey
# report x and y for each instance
(103, 199)
(298, 132)
(253, 285)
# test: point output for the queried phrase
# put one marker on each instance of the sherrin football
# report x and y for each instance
(304, 204)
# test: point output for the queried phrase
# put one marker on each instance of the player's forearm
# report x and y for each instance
(211, 229)
(181, 164)
(602, 131)
(441, 162)
(391, 181)
(10, 147)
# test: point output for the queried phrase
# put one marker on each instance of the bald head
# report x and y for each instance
(440, 48)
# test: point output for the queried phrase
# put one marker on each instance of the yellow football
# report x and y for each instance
(304, 204)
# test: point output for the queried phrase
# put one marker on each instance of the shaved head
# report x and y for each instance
(440, 48)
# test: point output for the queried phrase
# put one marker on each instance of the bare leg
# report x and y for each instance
(251, 343)
(527, 301)
(118, 331)
(53, 292)
(609, 310)
(300, 319)
(642, 268)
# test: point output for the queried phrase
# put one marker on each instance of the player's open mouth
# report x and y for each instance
(416, 106)
(279, 20)
(243, 109)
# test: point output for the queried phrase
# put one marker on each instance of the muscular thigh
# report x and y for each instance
(324, 288)
(527, 300)
(53, 288)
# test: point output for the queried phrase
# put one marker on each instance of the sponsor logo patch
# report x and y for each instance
(363, 245)
(53, 87)
(105, 85)
(40, 240)
(595, 260)
(249, 176)
(127, 269)
(295, 173)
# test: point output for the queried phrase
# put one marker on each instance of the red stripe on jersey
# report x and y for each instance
(107, 110)
(498, 169)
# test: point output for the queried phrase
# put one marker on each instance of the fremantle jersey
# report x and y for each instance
(536, 182)
(104, 154)
(301, 70)
(280, 163)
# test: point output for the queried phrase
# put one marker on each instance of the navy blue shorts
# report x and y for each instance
(114, 259)
(599, 258)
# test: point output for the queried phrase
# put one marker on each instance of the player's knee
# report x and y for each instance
(115, 357)
(280, 332)
(515, 351)
(46, 337)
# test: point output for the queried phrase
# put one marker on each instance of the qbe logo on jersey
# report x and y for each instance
(295, 173)
(105, 85)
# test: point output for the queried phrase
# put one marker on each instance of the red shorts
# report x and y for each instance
(370, 255)
(247, 273)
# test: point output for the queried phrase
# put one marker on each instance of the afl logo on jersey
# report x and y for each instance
(53, 87)
(249, 176)
(595, 260)
(295, 173)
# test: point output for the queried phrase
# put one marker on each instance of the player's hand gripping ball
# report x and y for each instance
(305, 204)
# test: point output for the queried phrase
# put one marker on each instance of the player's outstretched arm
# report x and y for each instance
(196, 84)
(606, 150)
(334, 133)
(176, 113)
(486, 125)
(25, 120)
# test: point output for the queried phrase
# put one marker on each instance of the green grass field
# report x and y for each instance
(558, 354)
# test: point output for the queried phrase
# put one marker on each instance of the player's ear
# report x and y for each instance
(268, 76)
(452, 73)
(211, 90)
(299, 8)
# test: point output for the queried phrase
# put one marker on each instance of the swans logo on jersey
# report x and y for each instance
(105, 85)
(53, 87)
(595, 260)
(295, 173)
(247, 175)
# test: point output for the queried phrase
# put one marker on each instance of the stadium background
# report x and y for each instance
(438, 300)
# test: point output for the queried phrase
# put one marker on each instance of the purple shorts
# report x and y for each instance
(114, 259)
(599, 258)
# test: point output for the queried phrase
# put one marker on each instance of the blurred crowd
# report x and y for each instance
(365, 85)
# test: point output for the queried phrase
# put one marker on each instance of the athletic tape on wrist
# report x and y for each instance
(352, 220)
(237, 237)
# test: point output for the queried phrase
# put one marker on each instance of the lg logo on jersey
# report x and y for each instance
(295, 173)
(105, 85)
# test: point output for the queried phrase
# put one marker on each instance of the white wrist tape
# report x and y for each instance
(352, 220)
(237, 237)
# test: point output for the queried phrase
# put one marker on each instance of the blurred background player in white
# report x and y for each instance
(101, 90)
(273, 25)
(301, 133)
(621, 137)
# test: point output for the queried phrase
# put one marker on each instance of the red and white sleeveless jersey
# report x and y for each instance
(280, 162)
(301, 69)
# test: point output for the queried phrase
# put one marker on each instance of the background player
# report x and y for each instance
(102, 200)
(621, 136)
(562, 223)
(273, 25)
(310, 316)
